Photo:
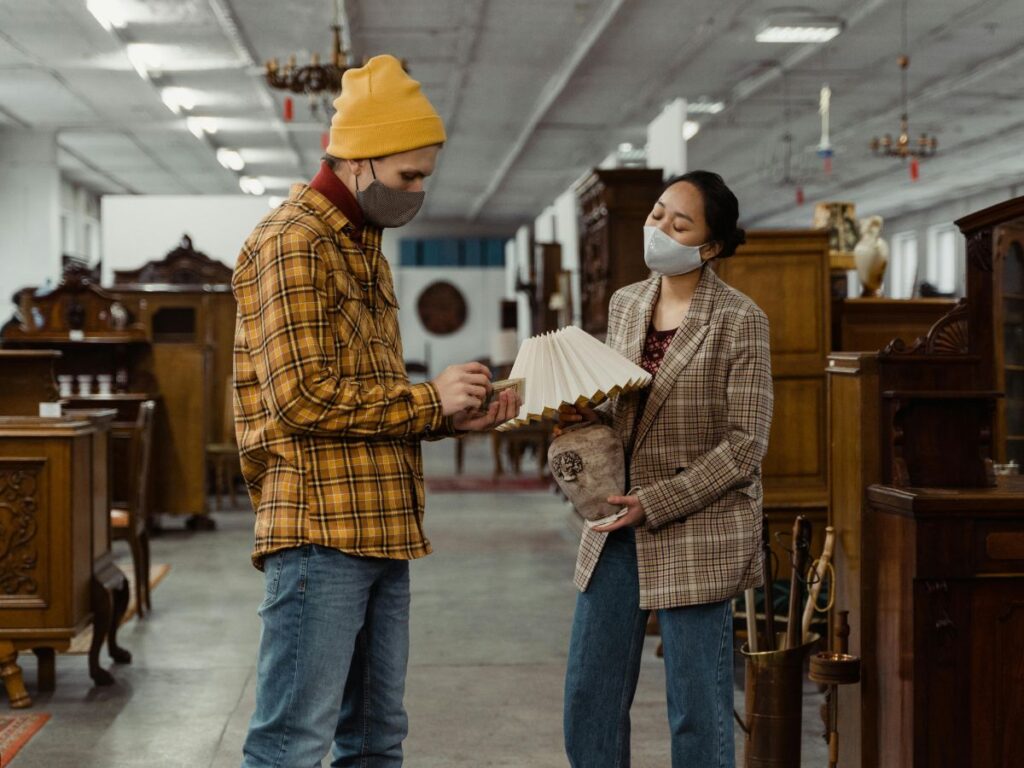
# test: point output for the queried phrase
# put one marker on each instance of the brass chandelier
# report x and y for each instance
(320, 82)
(903, 146)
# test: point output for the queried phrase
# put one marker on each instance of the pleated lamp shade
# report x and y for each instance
(570, 367)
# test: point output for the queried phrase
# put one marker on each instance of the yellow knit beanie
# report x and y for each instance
(381, 111)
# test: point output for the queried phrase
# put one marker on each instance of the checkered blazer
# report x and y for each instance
(696, 460)
(328, 425)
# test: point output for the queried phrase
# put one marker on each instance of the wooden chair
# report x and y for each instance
(131, 522)
(224, 455)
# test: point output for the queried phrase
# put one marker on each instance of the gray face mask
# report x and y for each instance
(386, 207)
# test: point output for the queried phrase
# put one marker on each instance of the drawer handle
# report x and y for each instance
(1005, 546)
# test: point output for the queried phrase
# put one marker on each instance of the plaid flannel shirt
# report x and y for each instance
(328, 425)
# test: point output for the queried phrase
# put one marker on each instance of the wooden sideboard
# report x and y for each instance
(947, 570)
(868, 324)
(56, 571)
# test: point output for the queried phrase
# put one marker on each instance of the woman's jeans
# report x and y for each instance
(332, 661)
(604, 664)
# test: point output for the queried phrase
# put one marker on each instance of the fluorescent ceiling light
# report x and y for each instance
(230, 159)
(704, 107)
(273, 201)
(251, 185)
(146, 59)
(200, 126)
(107, 13)
(798, 29)
(178, 100)
(690, 128)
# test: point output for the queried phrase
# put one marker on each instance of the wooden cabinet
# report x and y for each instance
(949, 580)
(796, 467)
(56, 570)
(613, 205)
(1008, 266)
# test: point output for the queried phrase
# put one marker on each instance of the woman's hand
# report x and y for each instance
(635, 514)
(570, 415)
(505, 406)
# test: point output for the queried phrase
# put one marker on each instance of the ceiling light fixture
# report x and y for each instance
(107, 13)
(690, 129)
(230, 159)
(146, 60)
(799, 29)
(320, 82)
(178, 100)
(902, 147)
(704, 107)
(200, 126)
(251, 185)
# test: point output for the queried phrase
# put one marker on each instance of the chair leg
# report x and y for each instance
(232, 477)
(218, 471)
(140, 577)
(146, 566)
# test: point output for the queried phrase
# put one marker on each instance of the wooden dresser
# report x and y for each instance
(613, 205)
(948, 580)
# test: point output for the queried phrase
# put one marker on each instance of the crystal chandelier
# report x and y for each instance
(321, 82)
(903, 146)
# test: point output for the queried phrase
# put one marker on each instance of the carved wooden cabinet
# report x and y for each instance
(948, 575)
(613, 205)
(795, 469)
(56, 570)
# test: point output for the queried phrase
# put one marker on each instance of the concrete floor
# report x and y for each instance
(491, 613)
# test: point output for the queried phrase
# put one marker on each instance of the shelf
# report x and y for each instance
(1014, 296)
(1014, 368)
(64, 340)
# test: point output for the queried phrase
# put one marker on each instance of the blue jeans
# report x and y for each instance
(332, 661)
(604, 664)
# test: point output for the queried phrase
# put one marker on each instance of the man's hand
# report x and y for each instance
(504, 407)
(634, 516)
(463, 387)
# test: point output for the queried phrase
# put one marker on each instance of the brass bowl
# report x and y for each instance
(831, 668)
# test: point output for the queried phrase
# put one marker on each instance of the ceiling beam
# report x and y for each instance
(548, 96)
(470, 26)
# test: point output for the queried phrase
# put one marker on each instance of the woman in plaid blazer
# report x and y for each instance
(690, 538)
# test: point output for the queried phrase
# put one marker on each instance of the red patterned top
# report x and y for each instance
(654, 349)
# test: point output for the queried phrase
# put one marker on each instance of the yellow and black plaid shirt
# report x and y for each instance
(328, 425)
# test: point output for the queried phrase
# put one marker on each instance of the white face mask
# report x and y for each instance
(667, 257)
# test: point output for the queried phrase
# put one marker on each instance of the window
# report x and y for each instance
(901, 278)
(945, 270)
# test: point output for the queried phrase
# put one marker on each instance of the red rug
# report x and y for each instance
(15, 731)
(479, 484)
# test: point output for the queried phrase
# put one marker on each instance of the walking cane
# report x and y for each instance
(769, 592)
(801, 548)
(819, 569)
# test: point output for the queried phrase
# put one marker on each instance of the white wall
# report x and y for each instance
(483, 290)
(140, 228)
(29, 213)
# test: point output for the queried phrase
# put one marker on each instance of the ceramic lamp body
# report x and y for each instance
(589, 465)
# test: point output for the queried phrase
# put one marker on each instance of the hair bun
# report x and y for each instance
(740, 236)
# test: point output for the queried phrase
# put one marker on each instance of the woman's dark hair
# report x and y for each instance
(721, 209)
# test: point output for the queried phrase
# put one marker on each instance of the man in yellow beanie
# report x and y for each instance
(329, 432)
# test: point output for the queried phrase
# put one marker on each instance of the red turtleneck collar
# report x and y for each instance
(327, 183)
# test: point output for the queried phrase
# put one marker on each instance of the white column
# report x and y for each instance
(666, 147)
(29, 213)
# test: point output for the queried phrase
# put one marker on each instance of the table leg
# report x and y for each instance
(12, 677)
(47, 668)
